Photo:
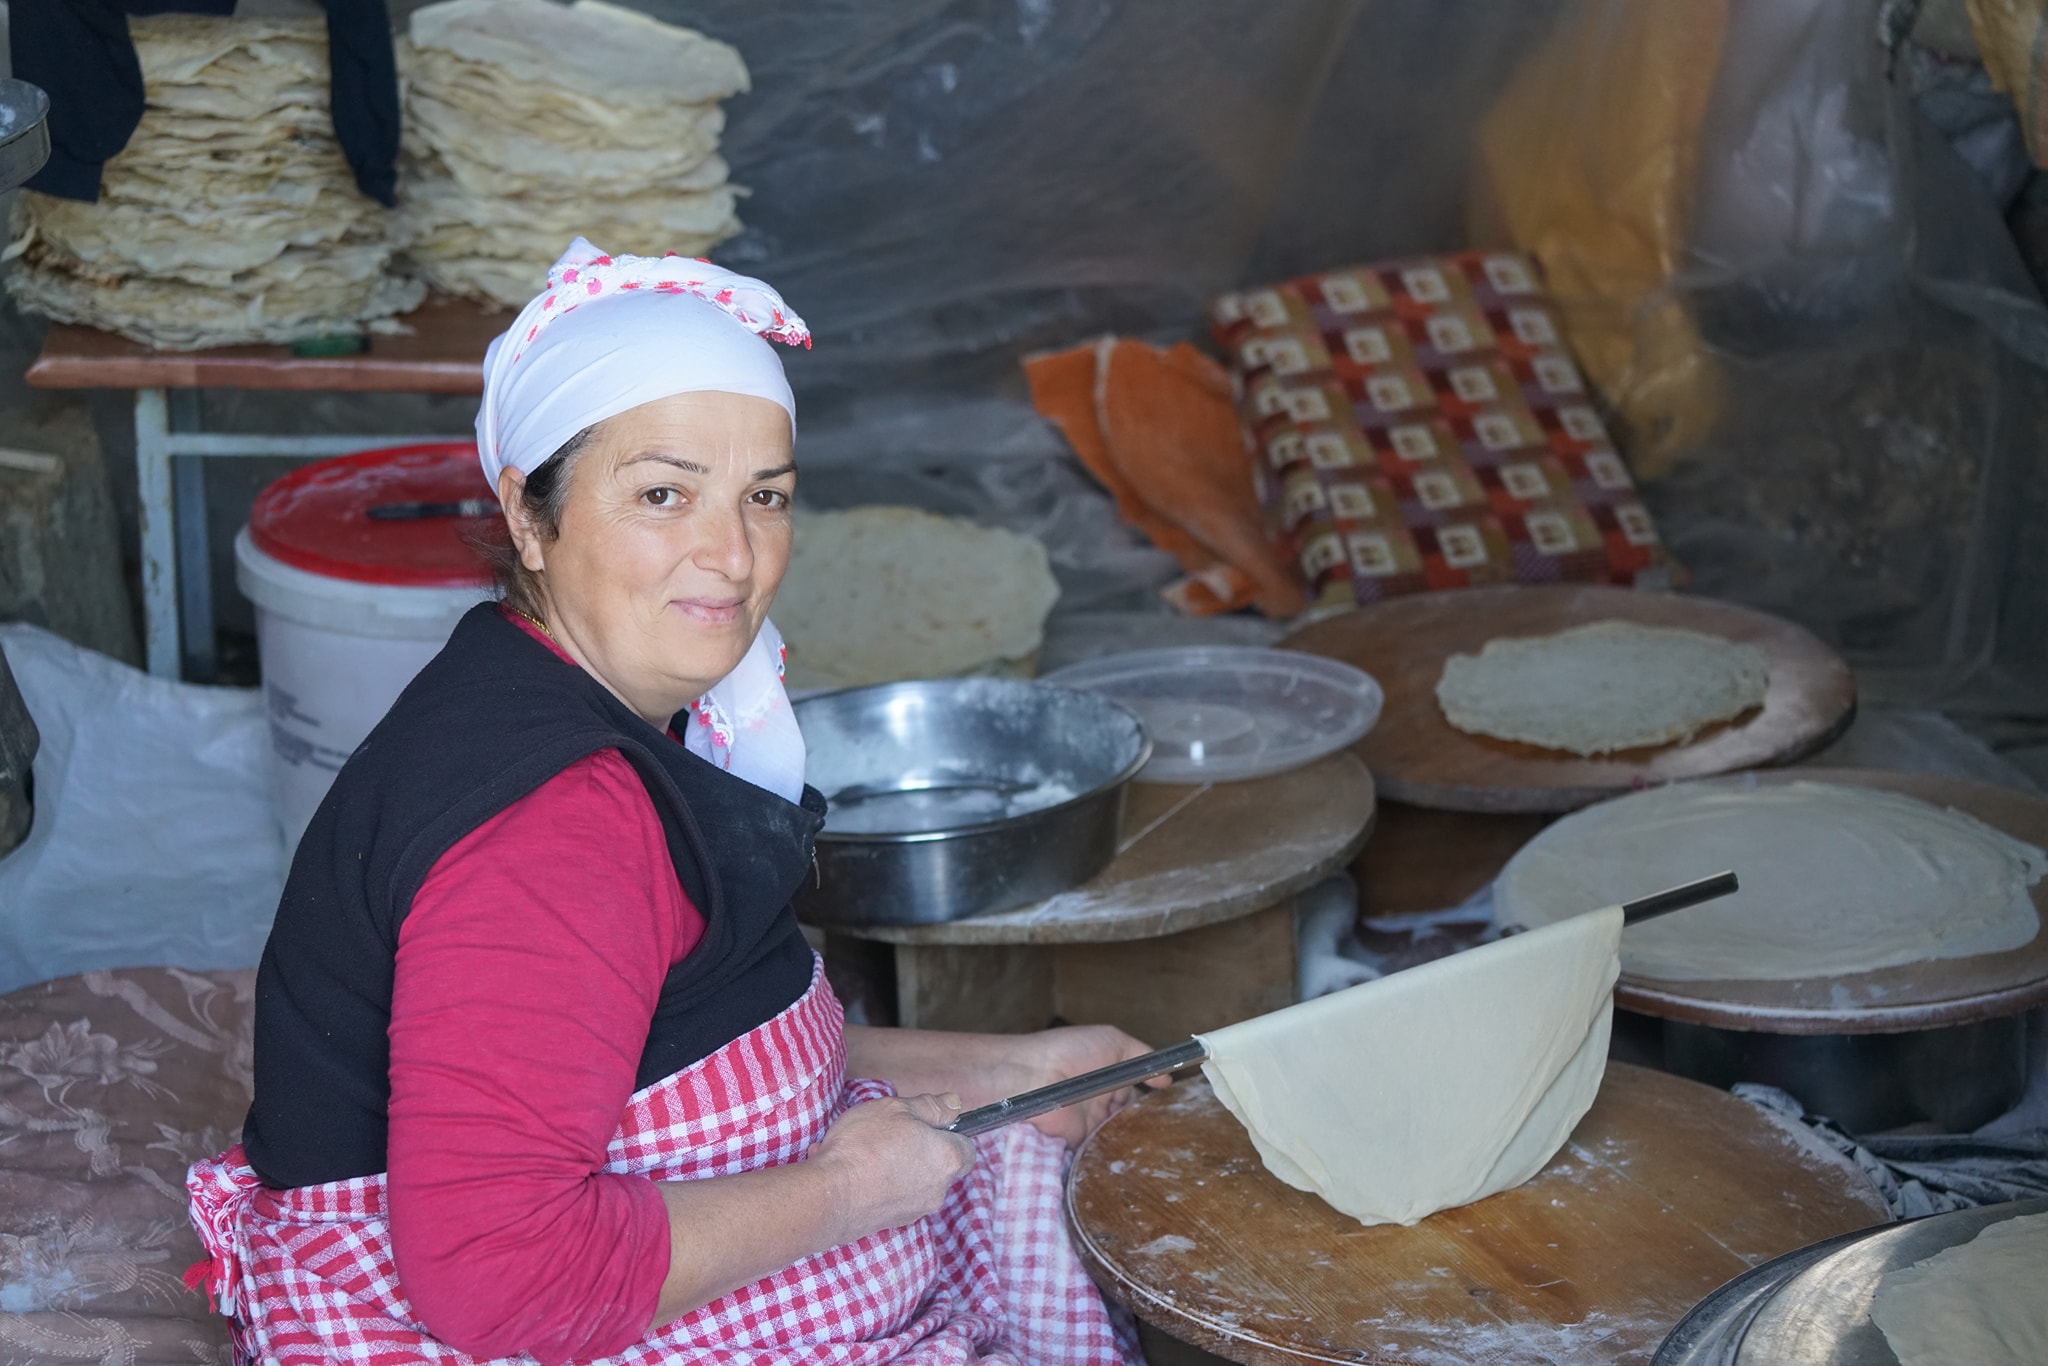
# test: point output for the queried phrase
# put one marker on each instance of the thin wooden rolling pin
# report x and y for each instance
(1189, 1052)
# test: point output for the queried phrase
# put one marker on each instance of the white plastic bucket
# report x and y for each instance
(335, 654)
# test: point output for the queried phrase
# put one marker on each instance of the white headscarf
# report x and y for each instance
(611, 333)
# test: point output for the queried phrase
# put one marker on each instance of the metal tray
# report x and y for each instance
(1812, 1307)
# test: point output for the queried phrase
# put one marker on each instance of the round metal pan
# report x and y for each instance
(1812, 1307)
(918, 746)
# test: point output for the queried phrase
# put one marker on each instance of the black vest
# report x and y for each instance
(491, 718)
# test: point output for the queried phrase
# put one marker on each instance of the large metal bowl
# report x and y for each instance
(964, 796)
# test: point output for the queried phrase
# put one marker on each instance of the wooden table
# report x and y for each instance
(1419, 757)
(442, 354)
(1666, 1189)
(1191, 927)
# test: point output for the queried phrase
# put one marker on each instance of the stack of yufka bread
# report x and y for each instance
(231, 215)
(529, 123)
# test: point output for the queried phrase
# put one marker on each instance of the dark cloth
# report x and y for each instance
(79, 52)
(1920, 1174)
(490, 719)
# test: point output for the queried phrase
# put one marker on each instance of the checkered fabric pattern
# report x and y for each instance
(307, 1275)
(1419, 424)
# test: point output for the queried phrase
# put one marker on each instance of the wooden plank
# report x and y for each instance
(1420, 758)
(1666, 1189)
(1945, 991)
(443, 354)
(1191, 856)
(996, 991)
(1421, 859)
(1162, 990)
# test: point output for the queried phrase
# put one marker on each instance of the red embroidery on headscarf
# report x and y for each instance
(569, 276)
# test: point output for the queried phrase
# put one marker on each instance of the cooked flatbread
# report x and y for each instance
(1606, 686)
(602, 50)
(529, 123)
(877, 594)
(230, 216)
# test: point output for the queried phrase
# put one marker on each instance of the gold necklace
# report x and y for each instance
(538, 624)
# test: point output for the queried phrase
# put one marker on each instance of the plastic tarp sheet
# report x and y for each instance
(154, 841)
(1850, 353)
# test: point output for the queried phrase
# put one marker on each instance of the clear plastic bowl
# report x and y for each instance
(1218, 714)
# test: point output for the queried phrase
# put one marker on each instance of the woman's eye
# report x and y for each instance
(662, 497)
(771, 498)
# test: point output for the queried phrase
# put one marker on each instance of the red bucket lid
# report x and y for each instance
(317, 517)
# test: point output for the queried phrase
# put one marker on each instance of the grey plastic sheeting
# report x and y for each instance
(942, 186)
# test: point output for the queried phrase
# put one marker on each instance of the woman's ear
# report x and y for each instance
(526, 537)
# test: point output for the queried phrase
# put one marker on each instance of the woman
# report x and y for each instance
(544, 1067)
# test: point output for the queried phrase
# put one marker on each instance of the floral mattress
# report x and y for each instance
(111, 1083)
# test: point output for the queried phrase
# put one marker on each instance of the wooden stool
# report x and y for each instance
(1190, 928)
(1667, 1189)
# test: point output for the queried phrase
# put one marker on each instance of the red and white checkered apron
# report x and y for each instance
(307, 1275)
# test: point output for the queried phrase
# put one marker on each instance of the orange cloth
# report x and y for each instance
(1158, 429)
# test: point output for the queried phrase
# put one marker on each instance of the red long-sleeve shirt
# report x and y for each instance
(527, 974)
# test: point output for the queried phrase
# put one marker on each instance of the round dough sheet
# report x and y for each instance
(1602, 687)
(1835, 880)
(1979, 1303)
(1431, 1087)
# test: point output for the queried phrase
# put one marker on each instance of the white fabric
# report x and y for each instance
(745, 725)
(609, 334)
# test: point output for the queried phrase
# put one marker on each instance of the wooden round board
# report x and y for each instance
(1943, 991)
(1666, 1189)
(1191, 856)
(1418, 757)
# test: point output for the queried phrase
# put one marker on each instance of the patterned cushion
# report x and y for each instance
(1419, 424)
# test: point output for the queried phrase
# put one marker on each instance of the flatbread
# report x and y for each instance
(1835, 880)
(877, 594)
(529, 123)
(230, 215)
(1602, 687)
(597, 49)
(1432, 1087)
(1980, 1303)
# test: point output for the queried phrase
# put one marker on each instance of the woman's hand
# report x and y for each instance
(890, 1162)
(1054, 1055)
(984, 1068)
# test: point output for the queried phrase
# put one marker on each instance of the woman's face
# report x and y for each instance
(675, 533)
